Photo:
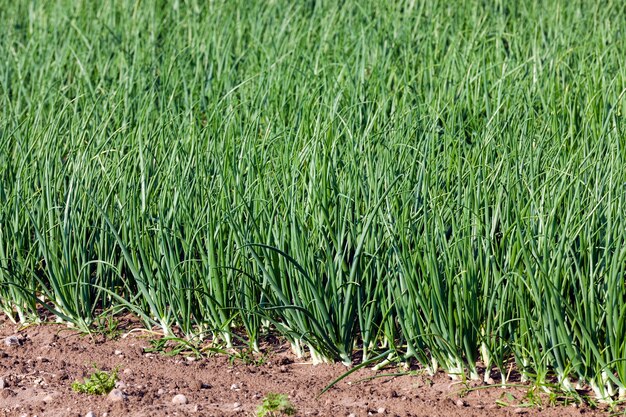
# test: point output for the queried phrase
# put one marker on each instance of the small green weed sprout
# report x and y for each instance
(108, 326)
(99, 383)
(275, 405)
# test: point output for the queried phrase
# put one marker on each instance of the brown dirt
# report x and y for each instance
(39, 373)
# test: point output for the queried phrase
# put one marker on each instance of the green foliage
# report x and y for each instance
(439, 182)
(246, 356)
(98, 383)
(108, 326)
(172, 346)
(275, 405)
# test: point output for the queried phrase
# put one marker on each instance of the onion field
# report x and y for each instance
(442, 182)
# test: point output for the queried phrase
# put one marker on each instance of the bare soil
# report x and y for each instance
(37, 373)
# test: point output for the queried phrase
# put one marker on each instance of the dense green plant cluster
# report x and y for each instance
(98, 383)
(441, 180)
(275, 405)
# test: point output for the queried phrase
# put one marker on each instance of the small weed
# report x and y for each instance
(275, 405)
(172, 346)
(108, 326)
(536, 395)
(247, 357)
(99, 383)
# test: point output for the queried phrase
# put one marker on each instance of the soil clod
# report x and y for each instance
(116, 395)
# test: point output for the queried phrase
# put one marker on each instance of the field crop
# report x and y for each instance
(416, 180)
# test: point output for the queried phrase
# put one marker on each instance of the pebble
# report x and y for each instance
(116, 395)
(382, 410)
(3, 383)
(235, 387)
(520, 411)
(127, 371)
(179, 399)
(161, 391)
(6, 393)
(47, 398)
(118, 352)
(12, 341)
(90, 414)
(236, 405)
(461, 403)
(120, 385)
(351, 415)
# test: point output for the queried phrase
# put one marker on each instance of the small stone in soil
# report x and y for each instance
(6, 393)
(90, 414)
(235, 387)
(461, 403)
(118, 352)
(382, 410)
(236, 405)
(179, 399)
(116, 395)
(12, 341)
(3, 383)
(47, 398)
(520, 411)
